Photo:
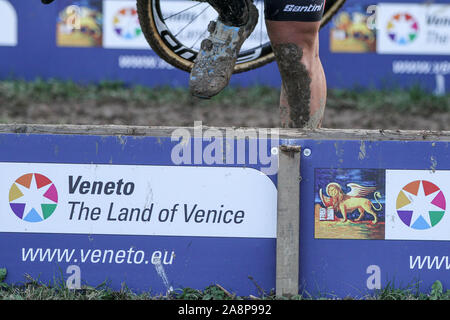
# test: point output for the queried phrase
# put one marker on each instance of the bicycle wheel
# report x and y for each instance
(175, 28)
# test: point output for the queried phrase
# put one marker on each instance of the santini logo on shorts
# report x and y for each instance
(310, 8)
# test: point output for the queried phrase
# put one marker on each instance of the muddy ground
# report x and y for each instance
(173, 114)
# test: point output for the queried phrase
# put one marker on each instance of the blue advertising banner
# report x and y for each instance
(118, 210)
(388, 44)
(160, 213)
(367, 44)
(373, 214)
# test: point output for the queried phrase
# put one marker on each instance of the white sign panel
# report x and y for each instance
(137, 200)
(416, 205)
(8, 24)
(121, 28)
(404, 28)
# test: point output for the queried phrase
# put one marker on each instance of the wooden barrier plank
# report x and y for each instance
(324, 133)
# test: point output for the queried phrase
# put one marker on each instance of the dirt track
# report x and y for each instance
(92, 112)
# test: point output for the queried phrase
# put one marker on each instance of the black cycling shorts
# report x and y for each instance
(294, 10)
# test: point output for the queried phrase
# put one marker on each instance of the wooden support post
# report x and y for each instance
(288, 221)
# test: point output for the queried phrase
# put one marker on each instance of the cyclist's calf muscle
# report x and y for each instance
(303, 91)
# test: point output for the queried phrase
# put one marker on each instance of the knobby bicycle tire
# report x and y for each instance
(170, 49)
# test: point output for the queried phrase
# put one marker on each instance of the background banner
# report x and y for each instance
(93, 40)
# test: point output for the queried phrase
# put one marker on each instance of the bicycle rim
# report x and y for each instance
(174, 29)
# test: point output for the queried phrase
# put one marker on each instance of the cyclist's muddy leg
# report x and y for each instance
(293, 28)
(303, 92)
(231, 12)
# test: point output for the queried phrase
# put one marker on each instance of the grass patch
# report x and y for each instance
(33, 289)
(19, 92)
(414, 99)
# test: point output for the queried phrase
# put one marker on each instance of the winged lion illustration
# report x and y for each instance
(351, 201)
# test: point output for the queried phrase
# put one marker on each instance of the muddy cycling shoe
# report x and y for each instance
(215, 61)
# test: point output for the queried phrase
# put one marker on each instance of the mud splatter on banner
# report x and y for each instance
(349, 203)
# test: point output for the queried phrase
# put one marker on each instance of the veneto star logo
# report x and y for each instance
(126, 23)
(33, 197)
(402, 28)
(421, 204)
